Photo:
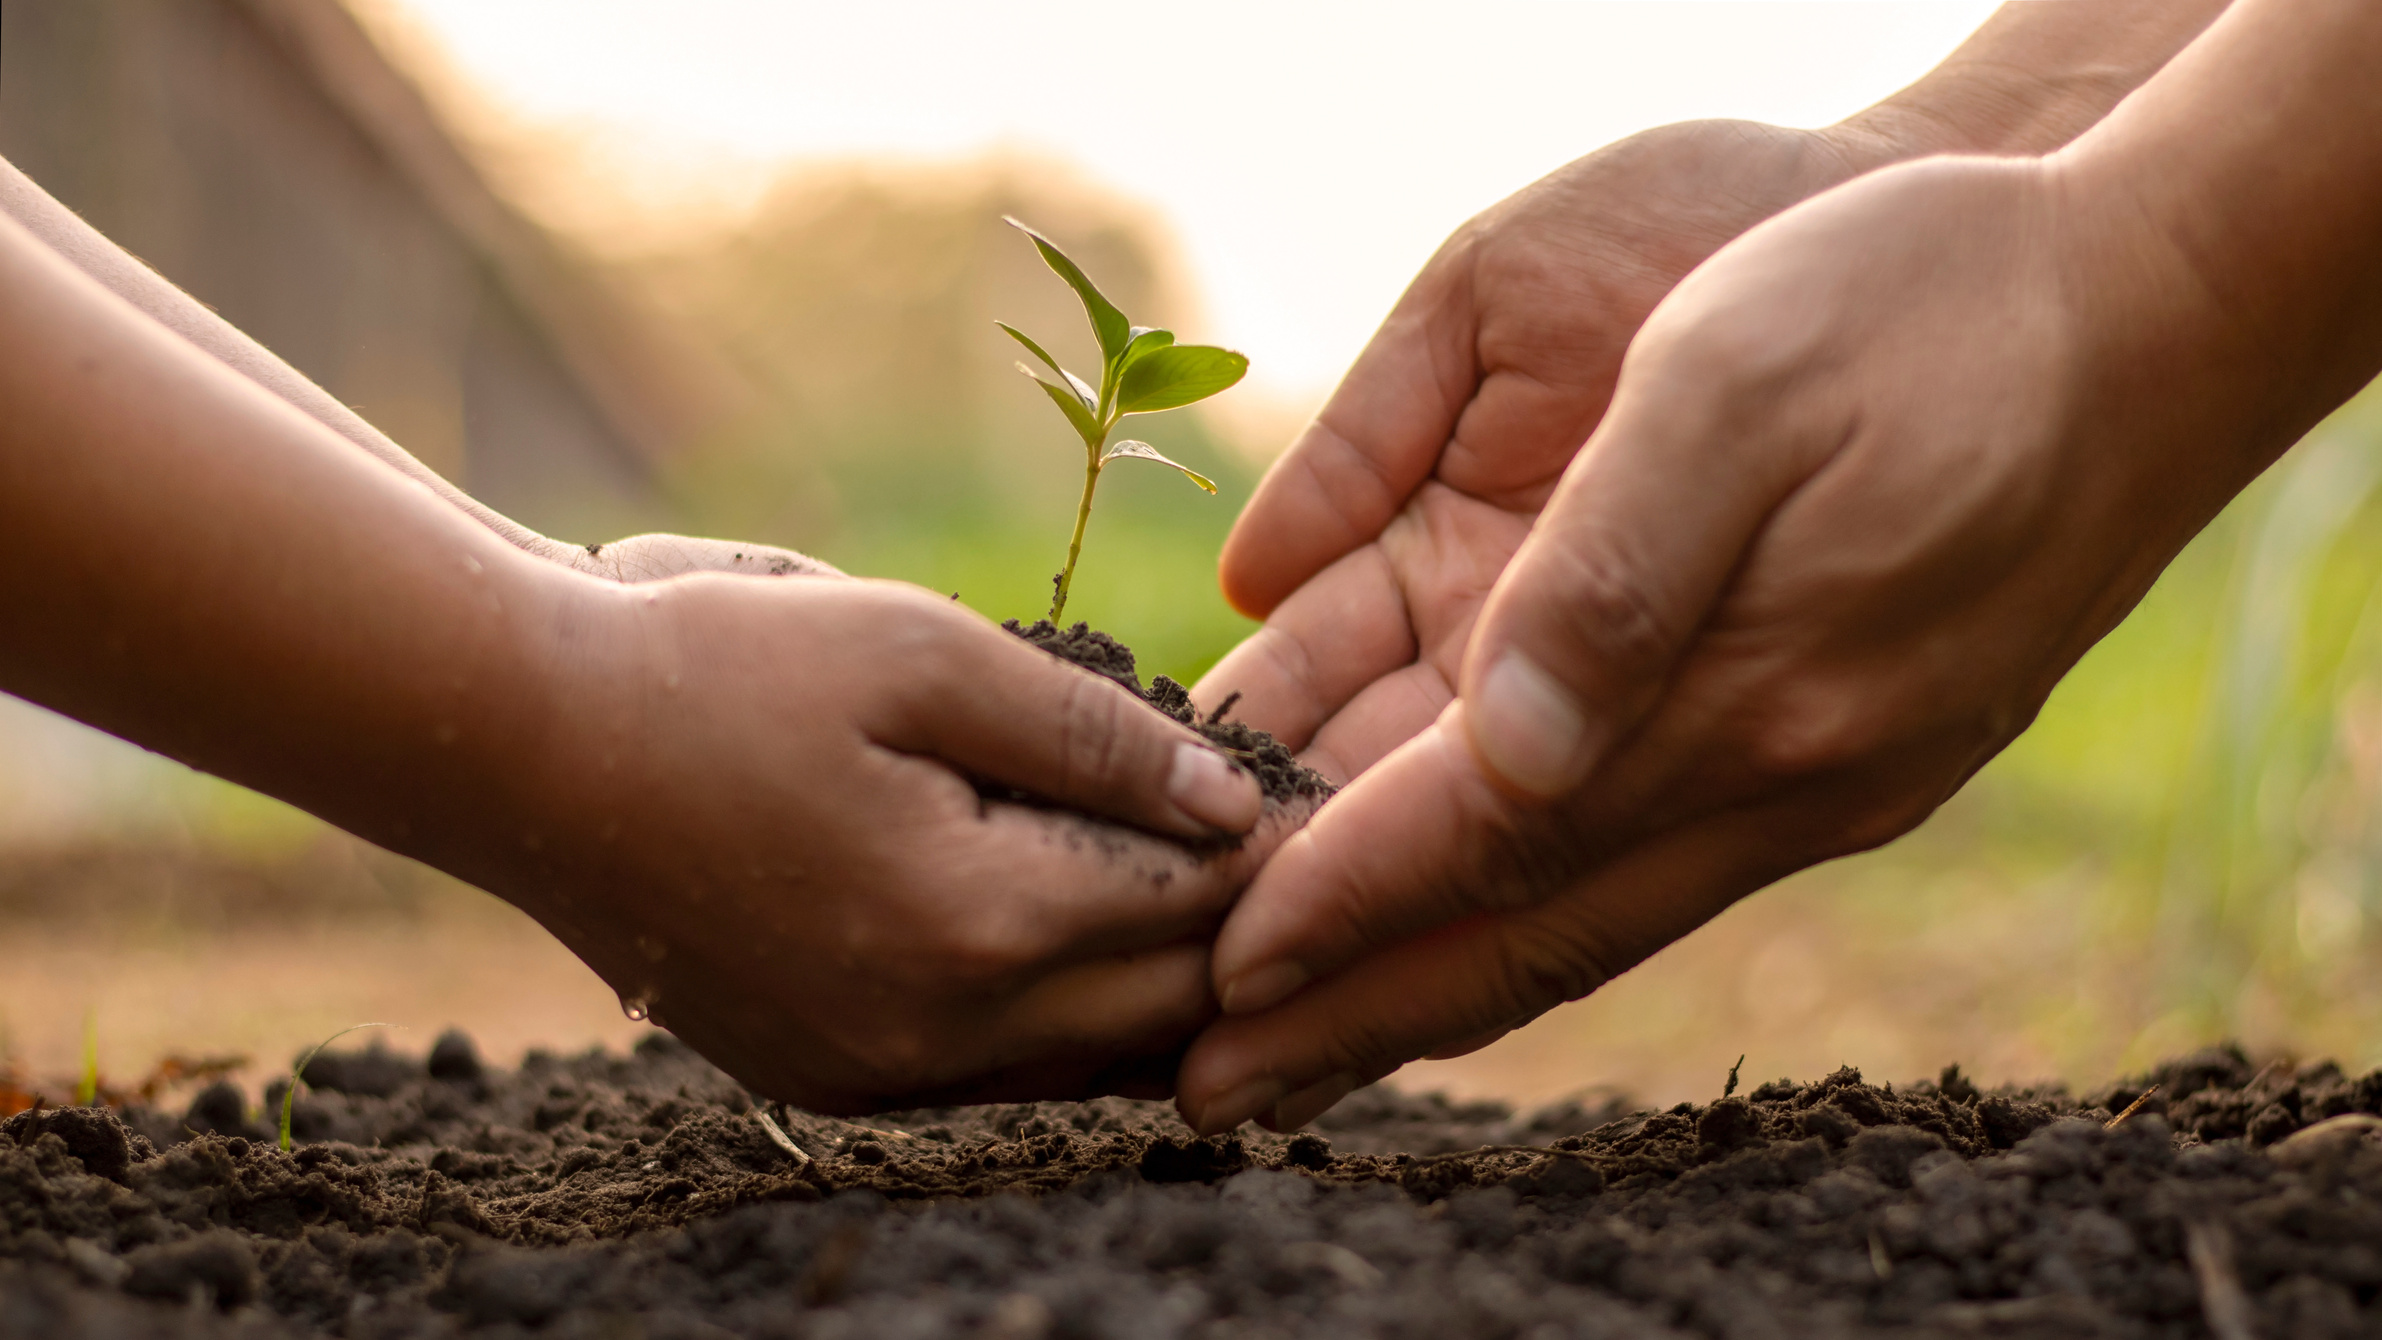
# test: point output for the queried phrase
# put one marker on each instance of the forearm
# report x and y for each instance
(2035, 76)
(191, 564)
(125, 276)
(2249, 173)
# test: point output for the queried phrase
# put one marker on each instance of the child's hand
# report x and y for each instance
(745, 800)
(752, 810)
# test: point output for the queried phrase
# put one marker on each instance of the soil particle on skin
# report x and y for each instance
(643, 1195)
(1279, 774)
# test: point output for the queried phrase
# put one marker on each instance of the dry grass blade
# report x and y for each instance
(2131, 1109)
(777, 1136)
(2223, 1303)
(1881, 1263)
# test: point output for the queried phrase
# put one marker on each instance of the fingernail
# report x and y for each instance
(1222, 1114)
(1211, 790)
(1527, 728)
(1262, 987)
(1314, 1100)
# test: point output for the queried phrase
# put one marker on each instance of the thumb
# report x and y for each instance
(1005, 710)
(1584, 627)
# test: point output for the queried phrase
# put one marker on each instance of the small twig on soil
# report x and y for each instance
(1731, 1087)
(1504, 1149)
(1217, 717)
(777, 1136)
(2131, 1109)
(2223, 1304)
(1880, 1264)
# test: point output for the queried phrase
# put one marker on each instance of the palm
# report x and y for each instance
(1372, 543)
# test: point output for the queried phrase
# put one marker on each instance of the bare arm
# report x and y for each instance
(747, 803)
(639, 558)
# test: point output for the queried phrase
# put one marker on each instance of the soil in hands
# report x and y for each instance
(1283, 778)
(645, 1195)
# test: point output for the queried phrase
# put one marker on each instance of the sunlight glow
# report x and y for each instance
(1308, 156)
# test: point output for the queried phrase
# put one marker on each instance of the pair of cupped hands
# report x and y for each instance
(1858, 484)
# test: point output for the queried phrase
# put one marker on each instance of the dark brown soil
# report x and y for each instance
(1284, 779)
(643, 1195)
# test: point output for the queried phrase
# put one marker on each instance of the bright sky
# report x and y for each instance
(1308, 155)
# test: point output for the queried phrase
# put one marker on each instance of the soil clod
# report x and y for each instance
(649, 1195)
(1279, 774)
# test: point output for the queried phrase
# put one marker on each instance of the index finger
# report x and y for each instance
(1373, 443)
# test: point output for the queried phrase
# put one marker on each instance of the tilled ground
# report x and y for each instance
(646, 1195)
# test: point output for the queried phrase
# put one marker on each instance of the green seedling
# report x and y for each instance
(1142, 371)
(298, 1072)
(86, 1089)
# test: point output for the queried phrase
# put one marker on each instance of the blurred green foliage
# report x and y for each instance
(895, 438)
(2201, 793)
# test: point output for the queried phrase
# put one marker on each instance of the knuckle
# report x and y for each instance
(1723, 354)
(1813, 731)
(979, 948)
(1363, 1044)
(1532, 972)
(1097, 747)
(1608, 609)
(929, 640)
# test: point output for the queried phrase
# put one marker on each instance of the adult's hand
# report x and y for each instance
(1874, 478)
(1373, 540)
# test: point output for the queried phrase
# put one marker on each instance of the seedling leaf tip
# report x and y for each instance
(1142, 371)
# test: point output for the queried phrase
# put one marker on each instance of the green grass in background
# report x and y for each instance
(1148, 573)
(2198, 800)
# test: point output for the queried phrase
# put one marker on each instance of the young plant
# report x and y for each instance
(1142, 371)
(86, 1089)
(289, 1095)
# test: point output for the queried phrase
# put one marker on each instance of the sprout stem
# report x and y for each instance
(1083, 515)
(290, 1094)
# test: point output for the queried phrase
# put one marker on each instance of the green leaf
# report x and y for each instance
(1143, 451)
(1047, 361)
(1177, 374)
(1145, 341)
(1071, 401)
(1108, 324)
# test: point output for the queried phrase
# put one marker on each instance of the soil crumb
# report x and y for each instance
(1282, 777)
(646, 1195)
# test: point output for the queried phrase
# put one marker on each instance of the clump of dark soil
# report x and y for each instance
(1282, 777)
(649, 1195)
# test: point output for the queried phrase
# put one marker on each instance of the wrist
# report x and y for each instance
(445, 754)
(2034, 77)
